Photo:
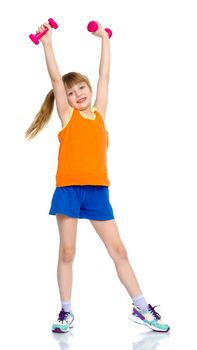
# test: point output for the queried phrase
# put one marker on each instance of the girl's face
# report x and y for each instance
(79, 96)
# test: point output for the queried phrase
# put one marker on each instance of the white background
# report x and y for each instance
(151, 120)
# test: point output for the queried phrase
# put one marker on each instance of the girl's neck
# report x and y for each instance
(87, 111)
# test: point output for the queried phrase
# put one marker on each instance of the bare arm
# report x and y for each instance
(51, 63)
(58, 86)
(104, 71)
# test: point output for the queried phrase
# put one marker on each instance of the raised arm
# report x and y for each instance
(55, 76)
(104, 71)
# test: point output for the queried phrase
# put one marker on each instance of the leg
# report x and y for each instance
(68, 231)
(108, 232)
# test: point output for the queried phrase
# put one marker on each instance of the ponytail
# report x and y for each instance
(42, 117)
(44, 114)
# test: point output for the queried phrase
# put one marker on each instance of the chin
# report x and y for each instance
(84, 106)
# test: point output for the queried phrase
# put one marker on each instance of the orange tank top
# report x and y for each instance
(82, 157)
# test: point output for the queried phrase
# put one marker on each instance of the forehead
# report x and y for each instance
(75, 86)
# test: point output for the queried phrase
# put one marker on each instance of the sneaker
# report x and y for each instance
(64, 322)
(149, 318)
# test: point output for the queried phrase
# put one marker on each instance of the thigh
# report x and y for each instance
(109, 234)
(67, 230)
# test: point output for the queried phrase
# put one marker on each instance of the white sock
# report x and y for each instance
(140, 302)
(66, 305)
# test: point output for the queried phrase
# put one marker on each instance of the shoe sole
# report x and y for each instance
(139, 321)
(58, 330)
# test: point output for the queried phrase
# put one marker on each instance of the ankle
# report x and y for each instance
(66, 305)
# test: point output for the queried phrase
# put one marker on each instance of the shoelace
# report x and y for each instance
(154, 313)
(62, 315)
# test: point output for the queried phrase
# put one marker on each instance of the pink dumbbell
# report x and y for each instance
(35, 38)
(93, 26)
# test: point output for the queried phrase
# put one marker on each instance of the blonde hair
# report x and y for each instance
(43, 116)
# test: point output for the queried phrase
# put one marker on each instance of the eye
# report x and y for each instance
(81, 87)
(70, 93)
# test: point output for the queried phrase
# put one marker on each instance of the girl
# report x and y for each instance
(82, 180)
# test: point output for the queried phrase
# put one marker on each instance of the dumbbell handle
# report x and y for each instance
(93, 26)
(40, 34)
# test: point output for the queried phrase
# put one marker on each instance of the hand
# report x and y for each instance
(46, 38)
(100, 32)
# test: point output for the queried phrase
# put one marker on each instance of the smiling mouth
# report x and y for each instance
(81, 100)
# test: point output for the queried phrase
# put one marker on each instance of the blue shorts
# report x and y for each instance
(83, 202)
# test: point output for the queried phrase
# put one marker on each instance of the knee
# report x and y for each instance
(67, 254)
(119, 252)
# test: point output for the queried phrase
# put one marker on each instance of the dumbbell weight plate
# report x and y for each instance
(34, 39)
(52, 23)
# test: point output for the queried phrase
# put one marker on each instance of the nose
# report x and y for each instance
(79, 92)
